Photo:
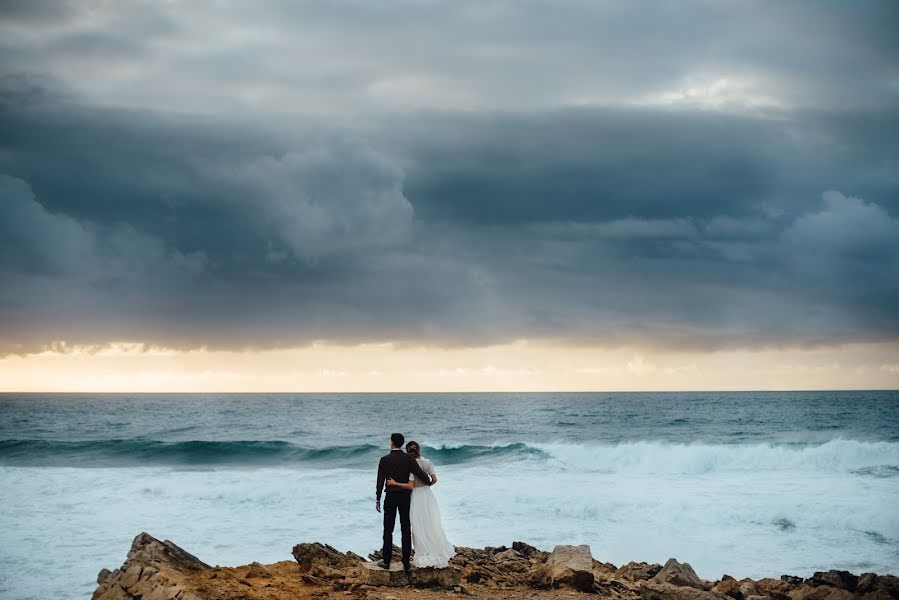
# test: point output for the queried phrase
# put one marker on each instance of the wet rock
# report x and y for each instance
(680, 574)
(571, 566)
(838, 579)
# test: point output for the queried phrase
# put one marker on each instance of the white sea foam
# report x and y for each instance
(649, 457)
(755, 511)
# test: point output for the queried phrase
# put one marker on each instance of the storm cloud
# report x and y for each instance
(718, 185)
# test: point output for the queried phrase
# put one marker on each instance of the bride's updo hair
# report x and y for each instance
(413, 449)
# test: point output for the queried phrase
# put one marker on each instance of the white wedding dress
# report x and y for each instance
(432, 549)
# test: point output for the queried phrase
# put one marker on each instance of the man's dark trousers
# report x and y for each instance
(393, 502)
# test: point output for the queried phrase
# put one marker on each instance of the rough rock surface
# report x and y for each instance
(653, 589)
(369, 573)
(572, 566)
(680, 574)
(160, 570)
(154, 570)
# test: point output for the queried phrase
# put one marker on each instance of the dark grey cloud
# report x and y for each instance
(712, 232)
(691, 175)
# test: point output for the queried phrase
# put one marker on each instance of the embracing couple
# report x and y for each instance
(405, 478)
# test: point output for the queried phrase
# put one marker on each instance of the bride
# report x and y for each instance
(432, 549)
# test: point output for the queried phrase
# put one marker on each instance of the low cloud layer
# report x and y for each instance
(701, 219)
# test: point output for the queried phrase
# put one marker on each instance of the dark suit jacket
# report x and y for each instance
(398, 465)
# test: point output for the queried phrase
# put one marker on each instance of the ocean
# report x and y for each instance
(751, 484)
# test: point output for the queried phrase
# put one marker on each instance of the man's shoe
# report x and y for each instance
(384, 565)
(407, 568)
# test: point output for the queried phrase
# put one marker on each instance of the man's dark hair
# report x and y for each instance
(397, 439)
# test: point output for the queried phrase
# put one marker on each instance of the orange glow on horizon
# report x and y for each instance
(521, 366)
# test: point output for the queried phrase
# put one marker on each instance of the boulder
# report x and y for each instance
(776, 588)
(866, 582)
(680, 574)
(820, 592)
(571, 566)
(838, 579)
(878, 586)
(729, 587)
(748, 588)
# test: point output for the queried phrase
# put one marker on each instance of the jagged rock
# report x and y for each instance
(571, 566)
(507, 555)
(154, 570)
(160, 570)
(313, 556)
(637, 571)
(838, 579)
(606, 570)
(528, 551)
(680, 574)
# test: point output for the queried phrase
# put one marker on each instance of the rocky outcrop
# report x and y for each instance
(521, 565)
(154, 570)
(160, 570)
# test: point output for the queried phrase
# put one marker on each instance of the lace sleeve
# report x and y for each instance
(428, 467)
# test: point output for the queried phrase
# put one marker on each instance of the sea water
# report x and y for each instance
(748, 484)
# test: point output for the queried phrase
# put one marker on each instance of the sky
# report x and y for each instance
(442, 196)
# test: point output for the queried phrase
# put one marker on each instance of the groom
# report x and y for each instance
(397, 465)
